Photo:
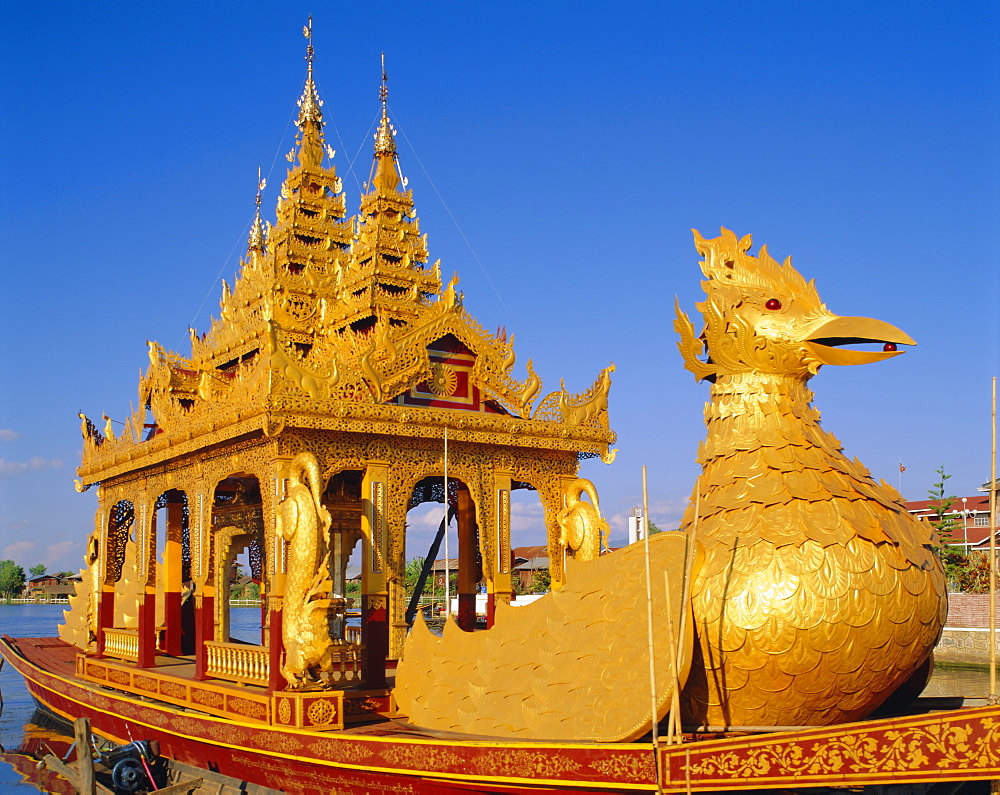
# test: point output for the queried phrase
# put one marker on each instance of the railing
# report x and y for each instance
(121, 643)
(353, 635)
(237, 662)
(347, 658)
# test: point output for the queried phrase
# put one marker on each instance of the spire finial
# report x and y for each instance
(385, 143)
(384, 91)
(258, 238)
(309, 103)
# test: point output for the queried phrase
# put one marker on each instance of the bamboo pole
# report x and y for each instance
(674, 732)
(649, 634)
(447, 561)
(993, 699)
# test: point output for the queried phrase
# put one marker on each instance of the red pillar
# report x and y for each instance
(276, 649)
(172, 580)
(105, 615)
(469, 570)
(204, 625)
(147, 630)
(375, 635)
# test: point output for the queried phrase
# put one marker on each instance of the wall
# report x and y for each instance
(970, 610)
(966, 637)
(966, 646)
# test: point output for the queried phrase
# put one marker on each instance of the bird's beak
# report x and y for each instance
(825, 341)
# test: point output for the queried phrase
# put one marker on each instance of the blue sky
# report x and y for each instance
(559, 153)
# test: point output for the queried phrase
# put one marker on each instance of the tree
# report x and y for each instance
(11, 579)
(941, 505)
(37, 570)
(413, 568)
(541, 581)
(974, 574)
(653, 529)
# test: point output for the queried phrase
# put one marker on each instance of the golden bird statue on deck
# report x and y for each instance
(808, 592)
(819, 594)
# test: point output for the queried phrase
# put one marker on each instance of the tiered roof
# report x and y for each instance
(339, 323)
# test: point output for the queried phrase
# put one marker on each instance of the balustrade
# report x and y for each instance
(347, 658)
(237, 662)
(122, 644)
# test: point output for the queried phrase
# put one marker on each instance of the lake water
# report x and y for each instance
(41, 621)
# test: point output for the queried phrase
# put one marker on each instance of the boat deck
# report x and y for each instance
(352, 709)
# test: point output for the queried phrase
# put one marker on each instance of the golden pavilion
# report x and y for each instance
(342, 374)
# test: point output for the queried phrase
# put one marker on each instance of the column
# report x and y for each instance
(105, 614)
(275, 642)
(204, 591)
(374, 593)
(145, 536)
(498, 585)
(172, 577)
(469, 571)
(275, 571)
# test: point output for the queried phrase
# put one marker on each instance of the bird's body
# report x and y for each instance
(819, 594)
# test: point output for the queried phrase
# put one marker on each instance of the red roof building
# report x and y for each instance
(972, 520)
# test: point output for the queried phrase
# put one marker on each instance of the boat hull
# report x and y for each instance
(307, 761)
(943, 746)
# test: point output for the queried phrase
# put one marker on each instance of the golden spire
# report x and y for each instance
(310, 120)
(387, 176)
(258, 237)
(387, 277)
(309, 103)
(385, 142)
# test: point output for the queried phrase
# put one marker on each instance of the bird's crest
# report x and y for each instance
(757, 312)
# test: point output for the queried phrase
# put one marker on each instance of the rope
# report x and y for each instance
(243, 234)
(454, 220)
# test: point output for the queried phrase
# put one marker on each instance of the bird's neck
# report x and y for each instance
(750, 410)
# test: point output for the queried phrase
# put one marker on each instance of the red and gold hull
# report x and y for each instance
(954, 745)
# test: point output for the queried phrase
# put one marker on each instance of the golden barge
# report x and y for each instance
(342, 384)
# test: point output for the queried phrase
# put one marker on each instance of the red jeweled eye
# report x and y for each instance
(774, 303)
(889, 346)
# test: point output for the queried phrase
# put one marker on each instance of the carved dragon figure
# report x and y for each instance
(304, 523)
(814, 594)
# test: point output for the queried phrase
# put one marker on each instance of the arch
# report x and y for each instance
(342, 499)
(229, 542)
(120, 520)
(169, 578)
(237, 524)
(470, 569)
(119, 589)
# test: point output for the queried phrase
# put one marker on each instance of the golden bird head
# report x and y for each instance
(763, 316)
